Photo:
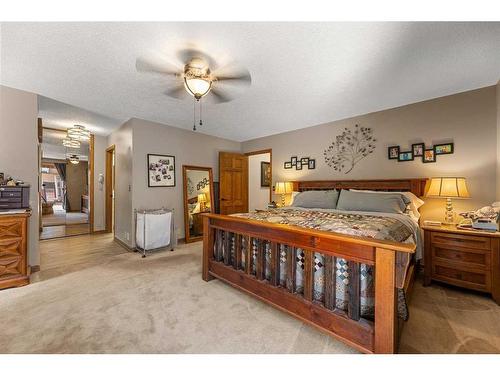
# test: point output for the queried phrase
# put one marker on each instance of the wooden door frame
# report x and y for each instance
(91, 172)
(270, 152)
(110, 182)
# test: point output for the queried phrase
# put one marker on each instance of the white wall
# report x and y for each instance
(469, 119)
(19, 152)
(258, 197)
(100, 145)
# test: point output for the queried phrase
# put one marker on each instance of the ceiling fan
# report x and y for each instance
(198, 75)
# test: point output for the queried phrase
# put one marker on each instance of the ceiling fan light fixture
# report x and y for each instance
(74, 159)
(197, 86)
(79, 133)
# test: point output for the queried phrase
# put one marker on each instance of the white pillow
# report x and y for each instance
(294, 194)
(415, 202)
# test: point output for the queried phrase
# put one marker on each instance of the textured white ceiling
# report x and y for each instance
(303, 74)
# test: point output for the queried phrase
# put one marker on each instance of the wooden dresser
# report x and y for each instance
(13, 250)
(465, 258)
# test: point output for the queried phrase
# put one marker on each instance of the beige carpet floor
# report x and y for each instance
(125, 304)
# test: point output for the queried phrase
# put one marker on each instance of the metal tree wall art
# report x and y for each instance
(349, 148)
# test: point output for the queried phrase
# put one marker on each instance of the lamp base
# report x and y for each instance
(449, 216)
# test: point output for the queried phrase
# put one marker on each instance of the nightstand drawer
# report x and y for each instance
(469, 279)
(458, 240)
(460, 255)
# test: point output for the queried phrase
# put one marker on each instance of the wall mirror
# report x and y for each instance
(198, 199)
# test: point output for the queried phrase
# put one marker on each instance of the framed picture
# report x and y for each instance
(304, 161)
(443, 149)
(288, 165)
(429, 156)
(312, 164)
(298, 166)
(265, 174)
(405, 156)
(293, 160)
(393, 152)
(161, 170)
(418, 149)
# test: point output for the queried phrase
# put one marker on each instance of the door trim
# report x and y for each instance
(270, 152)
(109, 208)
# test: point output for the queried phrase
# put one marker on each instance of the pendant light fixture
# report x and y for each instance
(71, 143)
(79, 133)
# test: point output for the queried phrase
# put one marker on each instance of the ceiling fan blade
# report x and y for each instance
(176, 92)
(216, 96)
(187, 54)
(233, 74)
(158, 67)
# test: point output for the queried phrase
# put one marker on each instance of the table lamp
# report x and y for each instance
(202, 199)
(448, 187)
(283, 188)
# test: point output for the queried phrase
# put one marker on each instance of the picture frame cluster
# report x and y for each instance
(161, 170)
(300, 164)
(419, 150)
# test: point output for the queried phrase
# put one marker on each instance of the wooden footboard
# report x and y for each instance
(228, 246)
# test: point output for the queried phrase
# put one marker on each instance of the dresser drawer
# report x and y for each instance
(462, 256)
(458, 240)
(10, 200)
(478, 280)
(10, 194)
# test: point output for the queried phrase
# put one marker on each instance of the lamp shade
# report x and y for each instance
(202, 197)
(448, 187)
(283, 188)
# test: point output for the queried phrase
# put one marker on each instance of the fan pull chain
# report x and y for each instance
(201, 123)
(194, 115)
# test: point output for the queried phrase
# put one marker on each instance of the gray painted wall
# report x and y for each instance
(498, 141)
(188, 147)
(469, 119)
(122, 139)
(18, 151)
(100, 145)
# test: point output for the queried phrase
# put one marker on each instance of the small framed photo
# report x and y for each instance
(405, 156)
(304, 161)
(288, 165)
(429, 156)
(298, 166)
(443, 149)
(161, 170)
(311, 164)
(418, 149)
(293, 160)
(393, 152)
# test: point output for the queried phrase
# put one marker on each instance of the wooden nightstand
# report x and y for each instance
(461, 257)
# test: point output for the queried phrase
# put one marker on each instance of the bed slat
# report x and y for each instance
(354, 305)
(291, 268)
(330, 281)
(275, 264)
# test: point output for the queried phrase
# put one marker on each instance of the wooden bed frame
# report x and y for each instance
(222, 233)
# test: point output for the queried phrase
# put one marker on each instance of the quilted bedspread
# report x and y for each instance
(370, 225)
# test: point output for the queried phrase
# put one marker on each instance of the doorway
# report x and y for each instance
(65, 189)
(110, 189)
(259, 179)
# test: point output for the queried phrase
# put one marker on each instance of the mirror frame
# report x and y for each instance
(185, 168)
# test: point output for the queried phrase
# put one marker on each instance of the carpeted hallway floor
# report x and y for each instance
(93, 296)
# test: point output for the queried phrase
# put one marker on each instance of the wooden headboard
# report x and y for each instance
(415, 185)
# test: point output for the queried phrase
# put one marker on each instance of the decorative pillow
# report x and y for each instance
(415, 202)
(316, 199)
(362, 201)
